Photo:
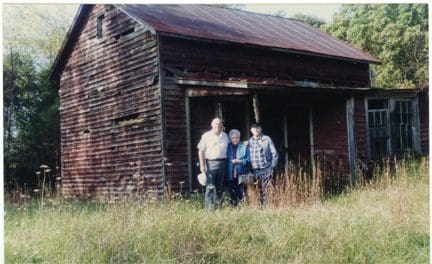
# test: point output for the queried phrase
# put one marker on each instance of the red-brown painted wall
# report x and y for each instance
(110, 110)
(224, 61)
(360, 133)
(330, 134)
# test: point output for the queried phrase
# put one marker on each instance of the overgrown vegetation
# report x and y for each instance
(396, 34)
(383, 220)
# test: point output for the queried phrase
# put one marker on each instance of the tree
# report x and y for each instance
(36, 30)
(32, 123)
(32, 36)
(278, 13)
(19, 92)
(396, 34)
(230, 6)
(311, 20)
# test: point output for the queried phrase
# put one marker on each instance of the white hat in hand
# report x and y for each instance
(202, 179)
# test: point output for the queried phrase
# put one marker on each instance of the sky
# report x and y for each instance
(324, 11)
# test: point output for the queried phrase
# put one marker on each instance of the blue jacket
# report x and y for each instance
(270, 151)
(241, 154)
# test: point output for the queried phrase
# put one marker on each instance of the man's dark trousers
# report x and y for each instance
(216, 170)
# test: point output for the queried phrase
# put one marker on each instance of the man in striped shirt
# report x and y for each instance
(264, 158)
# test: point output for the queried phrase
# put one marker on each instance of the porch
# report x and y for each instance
(304, 124)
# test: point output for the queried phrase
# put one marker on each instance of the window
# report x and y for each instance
(378, 127)
(390, 126)
(125, 33)
(403, 126)
(99, 26)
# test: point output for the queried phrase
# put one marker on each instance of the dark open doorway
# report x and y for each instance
(298, 133)
(234, 111)
(288, 123)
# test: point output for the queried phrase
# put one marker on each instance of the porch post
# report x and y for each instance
(391, 108)
(311, 136)
(189, 142)
(247, 125)
(350, 137)
(256, 107)
(416, 126)
(285, 127)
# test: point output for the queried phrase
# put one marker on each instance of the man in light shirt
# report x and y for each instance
(212, 153)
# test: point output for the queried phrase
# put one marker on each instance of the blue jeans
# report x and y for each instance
(264, 177)
(216, 171)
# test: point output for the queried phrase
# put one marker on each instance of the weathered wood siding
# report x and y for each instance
(111, 110)
(175, 138)
(424, 121)
(223, 61)
(202, 110)
(360, 132)
(330, 136)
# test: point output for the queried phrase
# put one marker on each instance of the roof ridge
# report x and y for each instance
(255, 13)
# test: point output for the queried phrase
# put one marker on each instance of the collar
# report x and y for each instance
(220, 134)
(258, 138)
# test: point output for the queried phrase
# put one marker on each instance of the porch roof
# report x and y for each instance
(236, 87)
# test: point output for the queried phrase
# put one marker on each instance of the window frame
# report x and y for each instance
(388, 127)
(99, 26)
(415, 139)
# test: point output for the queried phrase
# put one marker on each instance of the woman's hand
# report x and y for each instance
(236, 161)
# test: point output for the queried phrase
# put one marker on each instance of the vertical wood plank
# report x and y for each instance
(351, 137)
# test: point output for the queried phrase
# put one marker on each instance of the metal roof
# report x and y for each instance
(207, 22)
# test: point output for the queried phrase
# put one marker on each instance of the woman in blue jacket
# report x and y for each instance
(238, 159)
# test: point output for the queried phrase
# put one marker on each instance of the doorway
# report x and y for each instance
(234, 111)
(298, 133)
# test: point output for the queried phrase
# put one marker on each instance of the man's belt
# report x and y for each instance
(216, 159)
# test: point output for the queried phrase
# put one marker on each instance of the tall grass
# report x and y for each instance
(303, 184)
(384, 219)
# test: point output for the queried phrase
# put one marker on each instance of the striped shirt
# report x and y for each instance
(257, 154)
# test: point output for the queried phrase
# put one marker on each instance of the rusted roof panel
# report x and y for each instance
(222, 24)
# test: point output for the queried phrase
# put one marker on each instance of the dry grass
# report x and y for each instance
(385, 219)
(302, 185)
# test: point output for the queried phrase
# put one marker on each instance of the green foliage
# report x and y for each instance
(31, 121)
(396, 34)
(37, 30)
(230, 6)
(311, 20)
(278, 13)
(369, 225)
(32, 37)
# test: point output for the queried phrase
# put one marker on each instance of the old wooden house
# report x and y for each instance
(138, 85)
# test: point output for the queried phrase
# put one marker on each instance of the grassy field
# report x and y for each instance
(383, 222)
